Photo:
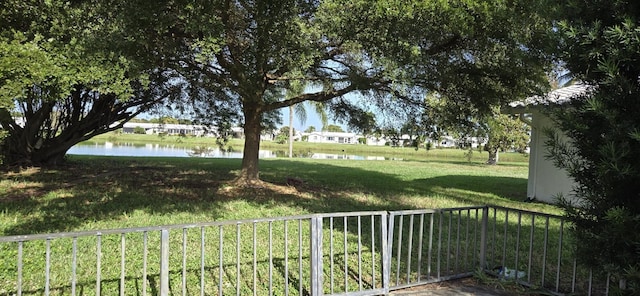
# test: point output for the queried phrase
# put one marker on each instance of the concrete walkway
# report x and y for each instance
(463, 287)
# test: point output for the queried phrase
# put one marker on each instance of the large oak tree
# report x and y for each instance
(68, 73)
(232, 61)
(248, 52)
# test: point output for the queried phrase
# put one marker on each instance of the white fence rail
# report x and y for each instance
(353, 253)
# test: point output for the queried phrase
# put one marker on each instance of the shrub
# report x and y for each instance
(139, 130)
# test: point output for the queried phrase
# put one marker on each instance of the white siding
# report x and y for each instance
(333, 137)
(545, 180)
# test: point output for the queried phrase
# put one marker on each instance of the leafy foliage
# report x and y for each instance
(601, 45)
(504, 132)
(65, 71)
(283, 135)
(230, 62)
(244, 55)
(333, 128)
(139, 130)
(444, 116)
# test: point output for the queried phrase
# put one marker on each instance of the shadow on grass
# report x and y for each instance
(466, 188)
(102, 189)
(90, 189)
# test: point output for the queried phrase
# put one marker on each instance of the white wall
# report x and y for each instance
(447, 142)
(376, 141)
(332, 137)
(545, 180)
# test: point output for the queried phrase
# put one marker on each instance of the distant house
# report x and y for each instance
(376, 141)
(297, 135)
(395, 140)
(237, 132)
(473, 142)
(333, 137)
(265, 135)
(545, 180)
(167, 128)
(447, 142)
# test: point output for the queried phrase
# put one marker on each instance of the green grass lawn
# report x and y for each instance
(92, 192)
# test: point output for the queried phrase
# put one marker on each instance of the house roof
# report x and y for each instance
(556, 97)
(333, 134)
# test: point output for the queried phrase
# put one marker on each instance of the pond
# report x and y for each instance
(161, 150)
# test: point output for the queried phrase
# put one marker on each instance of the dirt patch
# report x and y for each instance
(258, 189)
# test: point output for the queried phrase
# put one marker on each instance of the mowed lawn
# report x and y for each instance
(92, 192)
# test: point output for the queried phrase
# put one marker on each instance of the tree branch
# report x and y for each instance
(447, 45)
(322, 96)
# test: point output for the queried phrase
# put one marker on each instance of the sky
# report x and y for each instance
(312, 119)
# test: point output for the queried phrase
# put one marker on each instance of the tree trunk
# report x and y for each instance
(54, 156)
(53, 127)
(25, 145)
(21, 148)
(252, 129)
(291, 131)
(493, 156)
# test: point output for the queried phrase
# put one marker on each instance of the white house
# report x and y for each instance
(447, 142)
(546, 181)
(474, 142)
(402, 140)
(333, 137)
(176, 129)
(376, 141)
(170, 129)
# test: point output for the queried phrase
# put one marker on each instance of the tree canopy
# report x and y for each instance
(601, 43)
(334, 128)
(230, 62)
(386, 53)
(504, 132)
(68, 76)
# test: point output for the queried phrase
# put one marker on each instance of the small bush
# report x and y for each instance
(139, 130)
(281, 138)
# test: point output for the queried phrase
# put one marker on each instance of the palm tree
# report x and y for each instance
(301, 113)
(296, 88)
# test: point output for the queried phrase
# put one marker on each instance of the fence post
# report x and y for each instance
(316, 256)
(484, 233)
(164, 262)
(386, 229)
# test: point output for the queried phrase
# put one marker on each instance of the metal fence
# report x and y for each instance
(354, 253)
(536, 250)
(531, 248)
(434, 245)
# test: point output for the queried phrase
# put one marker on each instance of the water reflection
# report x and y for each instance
(296, 154)
(216, 152)
(164, 150)
(345, 156)
(156, 150)
(309, 154)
